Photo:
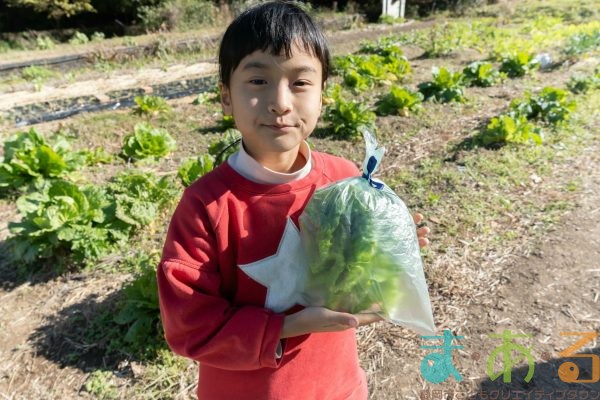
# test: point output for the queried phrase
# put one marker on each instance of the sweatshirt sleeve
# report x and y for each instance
(199, 322)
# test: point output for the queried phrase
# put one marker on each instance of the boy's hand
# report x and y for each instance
(423, 231)
(321, 319)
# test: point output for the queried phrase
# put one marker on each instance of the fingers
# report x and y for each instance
(317, 319)
(418, 218)
(367, 318)
(422, 235)
(338, 320)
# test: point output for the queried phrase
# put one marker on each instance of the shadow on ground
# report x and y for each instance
(14, 273)
(86, 336)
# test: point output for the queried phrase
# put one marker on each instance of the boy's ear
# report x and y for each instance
(225, 99)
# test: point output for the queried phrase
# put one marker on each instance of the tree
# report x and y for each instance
(55, 9)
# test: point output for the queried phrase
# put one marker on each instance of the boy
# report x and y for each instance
(232, 250)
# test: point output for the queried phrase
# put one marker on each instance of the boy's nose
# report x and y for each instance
(281, 101)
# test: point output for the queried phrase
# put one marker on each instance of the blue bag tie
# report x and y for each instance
(371, 164)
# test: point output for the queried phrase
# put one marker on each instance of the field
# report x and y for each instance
(490, 122)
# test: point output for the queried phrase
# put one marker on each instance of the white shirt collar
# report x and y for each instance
(251, 169)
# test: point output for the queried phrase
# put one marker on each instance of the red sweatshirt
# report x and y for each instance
(226, 279)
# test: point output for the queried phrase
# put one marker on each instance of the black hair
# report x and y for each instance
(275, 25)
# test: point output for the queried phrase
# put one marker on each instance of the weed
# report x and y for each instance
(79, 38)
(100, 384)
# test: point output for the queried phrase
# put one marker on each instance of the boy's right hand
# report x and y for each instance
(321, 319)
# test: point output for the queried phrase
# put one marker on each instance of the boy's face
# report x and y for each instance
(275, 102)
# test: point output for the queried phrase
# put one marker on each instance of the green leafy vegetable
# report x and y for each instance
(518, 63)
(61, 218)
(30, 158)
(510, 129)
(361, 72)
(582, 43)
(582, 84)
(551, 105)
(446, 86)
(482, 74)
(363, 252)
(347, 117)
(148, 143)
(87, 222)
(399, 101)
(139, 310)
(151, 105)
(193, 168)
(224, 147)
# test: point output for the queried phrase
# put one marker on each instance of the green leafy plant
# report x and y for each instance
(519, 63)
(193, 168)
(139, 196)
(222, 148)
(87, 222)
(443, 40)
(97, 36)
(59, 219)
(96, 156)
(386, 47)
(582, 43)
(30, 158)
(151, 105)
(36, 75)
(399, 101)
(148, 143)
(79, 38)
(582, 84)
(482, 74)
(347, 118)
(138, 310)
(227, 122)
(389, 20)
(509, 129)
(44, 43)
(445, 86)
(551, 105)
(361, 72)
(100, 384)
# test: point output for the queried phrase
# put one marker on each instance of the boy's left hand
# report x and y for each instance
(423, 231)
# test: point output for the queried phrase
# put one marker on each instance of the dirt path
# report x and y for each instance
(552, 290)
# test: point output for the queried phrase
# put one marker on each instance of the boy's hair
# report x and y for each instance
(275, 25)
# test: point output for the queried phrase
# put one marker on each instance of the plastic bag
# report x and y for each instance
(362, 250)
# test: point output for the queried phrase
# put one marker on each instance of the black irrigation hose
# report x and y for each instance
(54, 110)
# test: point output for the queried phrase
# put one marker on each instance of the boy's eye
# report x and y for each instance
(301, 83)
(258, 81)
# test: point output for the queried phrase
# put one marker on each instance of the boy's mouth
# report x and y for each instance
(281, 126)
